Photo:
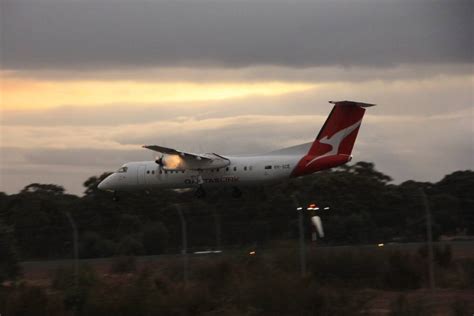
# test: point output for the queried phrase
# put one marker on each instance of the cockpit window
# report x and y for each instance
(122, 170)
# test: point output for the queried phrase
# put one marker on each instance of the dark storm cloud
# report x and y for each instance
(55, 34)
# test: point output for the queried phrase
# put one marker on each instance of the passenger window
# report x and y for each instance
(250, 168)
(245, 168)
(235, 168)
(148, 172)
(153, 172)
(161, 171)
(227, 169)
(268, 167)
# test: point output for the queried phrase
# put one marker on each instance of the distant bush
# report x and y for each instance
(402, 306)
(9, 267)
(460, 307)
(31, 300)
(467, 270)
(124, 264)
(442, 255)
(355, 268)
(404, 271)
(92, 245)
(155, 238)
(130, 246)
(64, 280)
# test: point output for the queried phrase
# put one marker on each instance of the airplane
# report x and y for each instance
(176, 169)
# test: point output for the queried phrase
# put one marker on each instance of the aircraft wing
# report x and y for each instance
(171, 151)
(180, 160)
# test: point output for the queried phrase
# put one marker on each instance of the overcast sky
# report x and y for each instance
(86, 82)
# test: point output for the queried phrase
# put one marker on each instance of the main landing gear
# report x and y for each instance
(236, 193)
(115, 198)
(200, 192)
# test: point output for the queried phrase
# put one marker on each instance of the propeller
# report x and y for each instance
(159, 161)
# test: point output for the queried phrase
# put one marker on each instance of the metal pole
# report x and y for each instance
(217, 221)
(429, 239)
(76, 248)
(302, 244)
(184, 239)
(300, 211)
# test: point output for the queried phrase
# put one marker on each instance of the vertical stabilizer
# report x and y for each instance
(333, 145)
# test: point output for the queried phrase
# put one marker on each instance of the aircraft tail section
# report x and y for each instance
(333, 145)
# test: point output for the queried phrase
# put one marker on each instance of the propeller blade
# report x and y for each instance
(159, 160)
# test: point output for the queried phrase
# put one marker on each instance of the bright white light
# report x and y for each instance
(327, 208)
(380, 245)
(318, 225)
(299, 208)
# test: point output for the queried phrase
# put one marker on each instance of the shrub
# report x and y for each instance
(442, 255)
(30, 300)
(130, 246)
(9, 267)
(155, 238)
(402, 306)
(404, 271)
(92, 245)
(354, 268)
(124, 264)
(64, 280)
(460, 307)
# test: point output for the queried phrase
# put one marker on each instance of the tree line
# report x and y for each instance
(365, 207)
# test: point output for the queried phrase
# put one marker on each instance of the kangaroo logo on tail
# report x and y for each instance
(335, 141)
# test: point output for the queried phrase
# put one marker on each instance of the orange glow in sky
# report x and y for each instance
(25, 94)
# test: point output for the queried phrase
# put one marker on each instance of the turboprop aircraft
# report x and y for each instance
(176, 169)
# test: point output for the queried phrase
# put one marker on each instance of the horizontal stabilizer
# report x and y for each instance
(352, 103)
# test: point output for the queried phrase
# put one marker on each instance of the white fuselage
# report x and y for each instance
(250, 170)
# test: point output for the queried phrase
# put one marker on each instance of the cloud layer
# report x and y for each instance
(92, 34)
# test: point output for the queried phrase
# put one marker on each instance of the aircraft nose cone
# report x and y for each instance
(104, 184)
(101, 185)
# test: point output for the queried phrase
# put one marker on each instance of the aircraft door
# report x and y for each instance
(141, 174)
(267, 171)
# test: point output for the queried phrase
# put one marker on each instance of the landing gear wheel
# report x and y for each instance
(115, 198)
(236, 193)
(200, 192)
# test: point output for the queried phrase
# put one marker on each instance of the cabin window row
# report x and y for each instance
(245, 168)
(165, 171)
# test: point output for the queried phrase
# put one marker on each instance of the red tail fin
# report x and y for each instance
(334, 143)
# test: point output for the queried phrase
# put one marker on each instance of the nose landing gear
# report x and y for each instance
(200, 192)
(115, 198)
